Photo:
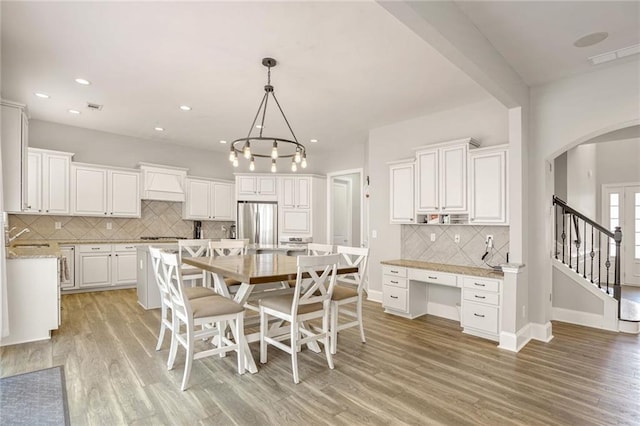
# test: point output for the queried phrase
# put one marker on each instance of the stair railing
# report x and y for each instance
(567, 224)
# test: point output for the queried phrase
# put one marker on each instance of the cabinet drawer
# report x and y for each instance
(484, 284)
(394, 281)
(98, 248)
(480, 317)
(394, 270)
(394, 298)
(434, 277)
(124, 247)
(481, 296)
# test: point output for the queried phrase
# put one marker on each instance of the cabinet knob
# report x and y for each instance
(47, 211)
(39, 210)
(105, 212)
(111, 212)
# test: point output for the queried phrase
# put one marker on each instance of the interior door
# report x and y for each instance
(341, 211)
(621, 207)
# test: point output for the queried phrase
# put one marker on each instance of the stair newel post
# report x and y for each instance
(617, 289)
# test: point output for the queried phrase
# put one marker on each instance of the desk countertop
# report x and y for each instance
(444, 267)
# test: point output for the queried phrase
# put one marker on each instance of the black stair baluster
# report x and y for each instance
(570, 243)
(592, 254)
(599, 260)
(555, 234)
(564, 234)
(584, 248)
(607, 263)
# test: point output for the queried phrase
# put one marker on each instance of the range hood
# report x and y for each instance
(164, 183)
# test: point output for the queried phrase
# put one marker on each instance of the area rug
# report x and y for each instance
(36, 398)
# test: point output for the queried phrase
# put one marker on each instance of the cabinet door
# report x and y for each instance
(88, 191)
(303, 192)
(67, 277)
(488, 187)
(246, 185)
(427, 174)
(55, 183)
(124, 193)
(288, 195)
(401, 193)
(266, 185)
(222, 207)
(197, 201)
(94, 270)
(34, 182)
(124, 268)
(453, 185)
(296, 221)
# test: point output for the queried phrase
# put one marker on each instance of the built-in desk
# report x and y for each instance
(470, 295)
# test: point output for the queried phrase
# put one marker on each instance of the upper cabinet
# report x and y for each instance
(208, 200)
(14, 143)
(98, 191)
(164, 183)
(256, 187)
(48, 182)
(488, 168)
(401, 181)
(295, 191)
(441, 177)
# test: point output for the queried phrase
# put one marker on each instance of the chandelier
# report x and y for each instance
(263, 146)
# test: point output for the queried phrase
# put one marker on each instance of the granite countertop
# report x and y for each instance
(18, 250)
(277, 247)
(443, 267)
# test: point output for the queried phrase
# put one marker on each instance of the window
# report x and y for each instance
(614, 219)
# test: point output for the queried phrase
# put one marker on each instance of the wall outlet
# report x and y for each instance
(456, 239)
(57, 225)
(489, 240)
(374, 234)
(433, 236)
(109, 225)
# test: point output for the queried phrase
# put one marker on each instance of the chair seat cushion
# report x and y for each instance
(283, 304)
(213, 306)
(190, 271)
(341, 292)
(198, 292)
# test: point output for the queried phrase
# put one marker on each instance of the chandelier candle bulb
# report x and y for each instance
(294, 166)
(273, 166)
(252, 164)
(274, 150)
(247, 150)
(303, 164)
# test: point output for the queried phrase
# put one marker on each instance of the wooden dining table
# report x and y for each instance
(250, 271)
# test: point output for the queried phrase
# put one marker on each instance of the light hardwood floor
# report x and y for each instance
(422, 371)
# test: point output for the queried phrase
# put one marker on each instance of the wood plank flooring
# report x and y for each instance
(423, 371)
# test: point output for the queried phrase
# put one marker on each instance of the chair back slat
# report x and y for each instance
(227, 248)
(315, 249)
(354, 256)
(173, 277)
(319, 287)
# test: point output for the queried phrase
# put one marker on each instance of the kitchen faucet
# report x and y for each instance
(10, 239)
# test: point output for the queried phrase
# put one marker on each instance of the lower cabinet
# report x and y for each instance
(481, 307)
(400, 295)
(104, 266)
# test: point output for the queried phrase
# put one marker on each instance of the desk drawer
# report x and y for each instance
(481, 296)
(441, 278)
(394, 270)
(394, 298)
(484, 284)
(480, 317)
(394, 281)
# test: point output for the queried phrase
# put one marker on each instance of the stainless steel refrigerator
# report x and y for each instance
(258, 221)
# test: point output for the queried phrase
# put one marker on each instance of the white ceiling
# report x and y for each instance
(344, 67)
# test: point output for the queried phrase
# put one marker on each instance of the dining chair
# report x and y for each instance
(315, 249)
(227, 248)
(211, 314)
(348, 290)
(193, 248)
(310, 299)
(165, 298)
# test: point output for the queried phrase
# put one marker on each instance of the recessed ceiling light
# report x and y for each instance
(313, 140)
(223, 141)
(185, 107)
(159, 129)
(74, 111)
(83, 81)
(590, 39)
(42, 95)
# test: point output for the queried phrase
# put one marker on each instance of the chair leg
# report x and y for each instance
(240, 342)
(360, 322)
(163, 327)
(189, 359)
(294, 351)
(263, 334)
(173, 350)
(334, 327)
(222, 329)
(327, 339)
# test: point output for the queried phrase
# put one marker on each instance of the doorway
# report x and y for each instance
(621, 207)
(345, 208)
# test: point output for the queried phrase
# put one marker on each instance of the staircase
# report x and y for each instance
(588, 254)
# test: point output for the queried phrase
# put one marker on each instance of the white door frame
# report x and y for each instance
(330, 177)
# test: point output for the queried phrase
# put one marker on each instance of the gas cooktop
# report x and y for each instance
(162, 238)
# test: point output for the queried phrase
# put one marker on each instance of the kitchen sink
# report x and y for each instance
(37, 245)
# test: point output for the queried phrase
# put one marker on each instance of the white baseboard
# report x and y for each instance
(541, 332)
(515, 341)
(374, 296)
(581, 318)
(630, 327)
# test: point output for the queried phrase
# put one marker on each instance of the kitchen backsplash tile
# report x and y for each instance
(158, 219)
(417, 244)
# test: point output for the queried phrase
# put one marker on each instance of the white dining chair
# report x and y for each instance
(193, 248)
(348, 290)
(310, 300)
(165, 298)
(227, 248)
(210, 314)
(316, 249)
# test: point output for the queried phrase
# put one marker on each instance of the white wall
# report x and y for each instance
(96, 147)
(560, 176)
(485, 121)
(567, 294)
(564, 114)
(581, 179)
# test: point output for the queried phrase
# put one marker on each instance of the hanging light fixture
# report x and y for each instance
(257, 146)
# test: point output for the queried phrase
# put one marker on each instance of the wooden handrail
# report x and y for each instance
(575, 212)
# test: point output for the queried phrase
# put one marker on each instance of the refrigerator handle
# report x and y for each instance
(257, 230)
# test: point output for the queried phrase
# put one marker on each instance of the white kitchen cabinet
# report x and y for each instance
(48, 182)
(400, 295)
(164, 183)
(481, 307)
(295, 192)
(441, 177)
(296, 221)
(208, 200)
(401, 187)
(488, 168)
(124, 264)
(105, 265)
(14, 141)
(98, 191)
(256, 187)
(302, 207)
